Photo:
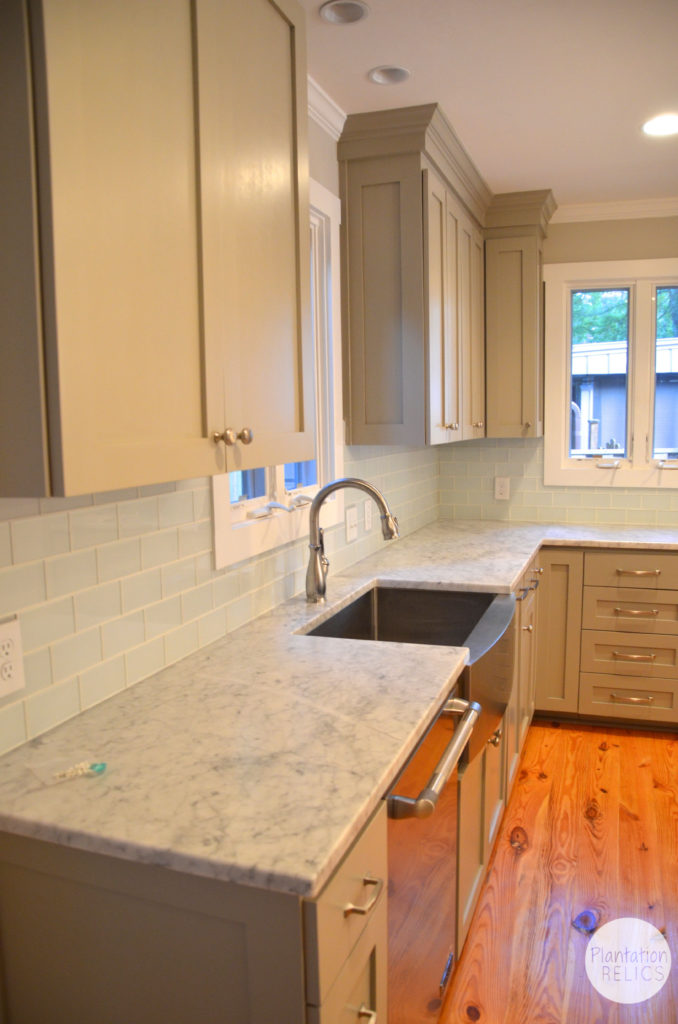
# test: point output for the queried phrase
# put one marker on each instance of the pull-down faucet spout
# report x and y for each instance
(318, 563)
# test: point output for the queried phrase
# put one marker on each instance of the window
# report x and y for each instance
(259, 509)
(611, 373)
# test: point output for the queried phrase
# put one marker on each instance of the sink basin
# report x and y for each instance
(417, 616)
(454, 618)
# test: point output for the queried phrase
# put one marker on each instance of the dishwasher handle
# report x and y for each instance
(425, 803)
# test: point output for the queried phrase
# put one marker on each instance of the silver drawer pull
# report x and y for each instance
(631, 700)
(528, 629)
(353, 908)
(425, 803)
(638, 572)
(366, 1014)
(645, 613)
(623, 656)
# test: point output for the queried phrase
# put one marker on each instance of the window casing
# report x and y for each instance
(256, 524)
(611, 401)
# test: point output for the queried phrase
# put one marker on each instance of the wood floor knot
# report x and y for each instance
(592, 811)
(586, 921)
(518, 839)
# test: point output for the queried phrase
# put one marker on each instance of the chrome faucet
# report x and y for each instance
(318, 563)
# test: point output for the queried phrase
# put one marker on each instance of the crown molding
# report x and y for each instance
(421, 129)
(324, 111)
(533, 209)
(631, 209)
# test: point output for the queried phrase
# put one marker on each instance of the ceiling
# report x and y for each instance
(541, 93)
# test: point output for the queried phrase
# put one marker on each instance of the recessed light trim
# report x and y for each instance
(663, 124)
(344, 12)
(388, 74)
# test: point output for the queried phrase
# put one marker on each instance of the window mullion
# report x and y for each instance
(642, 384)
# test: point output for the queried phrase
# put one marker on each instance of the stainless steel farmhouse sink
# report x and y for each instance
(453, 618)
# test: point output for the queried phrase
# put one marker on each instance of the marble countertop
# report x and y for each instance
(259, 759)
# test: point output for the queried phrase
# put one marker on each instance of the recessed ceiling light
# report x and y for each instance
(663, 124)
(388, 74)
(343, 12)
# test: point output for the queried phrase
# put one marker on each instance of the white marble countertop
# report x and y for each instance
(259, 759)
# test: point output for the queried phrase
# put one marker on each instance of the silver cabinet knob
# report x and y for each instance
(451, 426)
(527, 425)
(230, 436)
(495, 738)
(528, 629)
(480, 423)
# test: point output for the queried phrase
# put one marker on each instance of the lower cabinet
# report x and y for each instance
(558, 644)
(346, 933)
(485, 783)
(88, 937)
(608, 643)
(481, 804)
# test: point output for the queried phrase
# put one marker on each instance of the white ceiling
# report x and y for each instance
(541, 93)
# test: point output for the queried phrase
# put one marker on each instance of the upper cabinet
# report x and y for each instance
(154, 273)
(413, 280)
(515, 228)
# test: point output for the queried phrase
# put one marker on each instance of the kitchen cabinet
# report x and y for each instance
(159, 945)
(558, 646)
(521, 705)
(629, 641)
(413, 280)
(609, 646)
(515, 228)
(154, 272)
(471, 845)
(483, 790)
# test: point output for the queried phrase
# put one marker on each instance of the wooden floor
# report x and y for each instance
(590, 835)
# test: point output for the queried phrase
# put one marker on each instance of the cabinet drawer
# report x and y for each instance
(615, 697)
(651, 657)
(643, 611)
(331, 928)
(649, 570)
(361, 984)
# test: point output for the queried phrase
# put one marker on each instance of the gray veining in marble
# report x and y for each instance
(259, 759)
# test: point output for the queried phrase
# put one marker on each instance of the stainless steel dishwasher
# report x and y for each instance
(423, 822)
(422, 858)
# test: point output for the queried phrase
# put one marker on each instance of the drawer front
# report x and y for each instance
(638, 700)
(648, 570)
(643, 611)
(334, 921)
(621, 654)
(361, 986)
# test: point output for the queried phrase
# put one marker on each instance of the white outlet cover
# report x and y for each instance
(11, 657)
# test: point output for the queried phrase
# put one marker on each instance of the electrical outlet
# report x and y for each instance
(11, 657)
(367, 509)
(351, 523)
(502, 488)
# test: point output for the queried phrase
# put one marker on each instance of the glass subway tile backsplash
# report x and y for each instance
(111, 588)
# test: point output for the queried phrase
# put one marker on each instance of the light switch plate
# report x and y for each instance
(351, 523)
(11, 657)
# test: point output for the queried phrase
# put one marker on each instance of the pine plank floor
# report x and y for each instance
(599, 812)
